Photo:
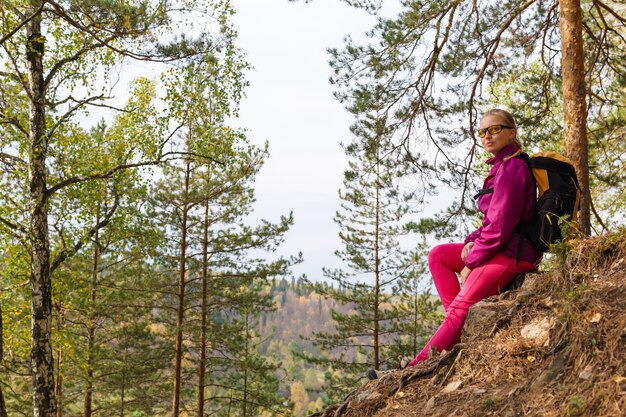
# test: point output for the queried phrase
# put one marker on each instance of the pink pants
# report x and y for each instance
(444, 261)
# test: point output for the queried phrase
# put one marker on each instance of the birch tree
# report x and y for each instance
(53, 53)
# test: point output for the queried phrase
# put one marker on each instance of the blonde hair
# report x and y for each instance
(508, 117)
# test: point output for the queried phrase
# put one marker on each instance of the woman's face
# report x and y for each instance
(493, 143)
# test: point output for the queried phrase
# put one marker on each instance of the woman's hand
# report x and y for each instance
(466, 250)
(464, 274)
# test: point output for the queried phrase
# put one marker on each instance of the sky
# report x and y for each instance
(290, 104)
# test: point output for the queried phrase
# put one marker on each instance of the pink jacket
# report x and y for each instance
(513, 199)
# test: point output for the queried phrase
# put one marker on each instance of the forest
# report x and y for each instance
(134, 279)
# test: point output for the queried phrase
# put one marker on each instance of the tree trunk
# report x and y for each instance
(123, 393)
(181, 298)
(42, 365)
(91, 325)
(575, 107)
(3, 408)
(203, 312)
(416, 314)
(58, 389)
(377, 276)
(245, 366)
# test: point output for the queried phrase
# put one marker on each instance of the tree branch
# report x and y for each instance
(598, 218)
(68, 114)
(22, 24)
(608, 9)
(101, 175)
(65, 253)
(13, 226)
(109, 173)
(14, 122)
(19, 77)
(141, 57)
(59, 64)
(12, 229)
(10, 75)
(14, 159)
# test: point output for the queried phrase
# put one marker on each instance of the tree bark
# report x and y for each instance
(203, 312)
(123, 393)
(3, 408)
(377, 272)
(575, 107)
(42, 365)
(181, 297)
(58, 389)
(91, 325)
(245, 366)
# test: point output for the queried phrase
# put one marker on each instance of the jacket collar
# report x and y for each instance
(504, 152)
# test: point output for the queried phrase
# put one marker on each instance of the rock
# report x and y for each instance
(365, 394)
(430, 403)
(537, 332)
(482, 317)
(551, 373)
(452, 386)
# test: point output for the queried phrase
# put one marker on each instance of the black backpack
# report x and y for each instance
(558, 198)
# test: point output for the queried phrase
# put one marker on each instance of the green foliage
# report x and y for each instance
(575, 406)
(419, 313)
(110, 257)
(426, 74)
(206, 198)
(492, 403)
(376, 283)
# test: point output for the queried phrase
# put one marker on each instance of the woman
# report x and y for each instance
(488, 259)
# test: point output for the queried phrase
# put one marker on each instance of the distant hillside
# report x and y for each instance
(554, 347)
(299, 312)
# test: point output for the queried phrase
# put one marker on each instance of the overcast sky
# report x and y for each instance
(290, 104)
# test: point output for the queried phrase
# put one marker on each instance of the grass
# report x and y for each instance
(575, 406)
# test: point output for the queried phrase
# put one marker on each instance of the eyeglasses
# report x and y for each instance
(493, 130)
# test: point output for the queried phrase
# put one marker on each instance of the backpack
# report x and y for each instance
(558, 197)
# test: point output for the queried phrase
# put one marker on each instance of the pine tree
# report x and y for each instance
(250, 378)
(371, 220)
(3, 408)
(424, 75)
(231, 288)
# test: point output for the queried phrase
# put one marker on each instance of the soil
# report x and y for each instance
(556, 346)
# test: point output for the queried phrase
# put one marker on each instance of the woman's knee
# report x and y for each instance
(434, 255)
(443, 253)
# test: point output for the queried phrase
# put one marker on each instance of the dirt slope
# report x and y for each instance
(554, 347)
